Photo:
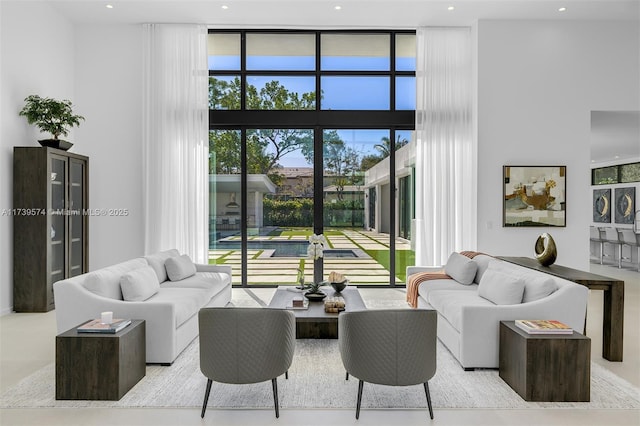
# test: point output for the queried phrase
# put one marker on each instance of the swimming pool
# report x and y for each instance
(284, 248)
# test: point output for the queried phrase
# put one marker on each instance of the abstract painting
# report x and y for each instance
(534, 196)
(625, 202)
(602, 205)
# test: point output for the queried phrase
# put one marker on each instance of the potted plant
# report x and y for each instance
(52, 116)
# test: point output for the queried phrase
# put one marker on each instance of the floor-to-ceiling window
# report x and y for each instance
(306, 127)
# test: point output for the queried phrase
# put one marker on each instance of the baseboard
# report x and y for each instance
(6, 311)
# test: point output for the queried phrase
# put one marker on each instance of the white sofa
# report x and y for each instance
(170, 312)
(468, 323)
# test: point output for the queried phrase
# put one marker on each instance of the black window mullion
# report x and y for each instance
(243, 212)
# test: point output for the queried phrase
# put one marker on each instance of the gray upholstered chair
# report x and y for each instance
(246, 345)
(395, 347)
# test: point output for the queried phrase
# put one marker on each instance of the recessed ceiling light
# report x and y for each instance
(225, 7)
(337, 7)
(109, 6)
(562, 9)
(451, 8)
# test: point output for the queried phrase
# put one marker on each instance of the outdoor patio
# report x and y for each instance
(367, 267)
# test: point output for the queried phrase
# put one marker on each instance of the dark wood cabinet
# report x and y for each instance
(50, 223)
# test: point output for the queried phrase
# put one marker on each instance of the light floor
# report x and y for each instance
(27, 343)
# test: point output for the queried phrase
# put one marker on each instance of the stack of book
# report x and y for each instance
(96, 326)
(544, 327)
(334, 304)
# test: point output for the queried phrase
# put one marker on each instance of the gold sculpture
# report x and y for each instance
(546, 253)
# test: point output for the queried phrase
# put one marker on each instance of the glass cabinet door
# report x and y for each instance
(76, 217)
(58, 223)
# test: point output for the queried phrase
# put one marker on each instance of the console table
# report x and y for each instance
(613, 318)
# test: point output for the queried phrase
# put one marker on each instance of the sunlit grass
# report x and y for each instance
(404, 258)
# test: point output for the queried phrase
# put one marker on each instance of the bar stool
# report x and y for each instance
(631, 239)
(611, 237)
(594, 236)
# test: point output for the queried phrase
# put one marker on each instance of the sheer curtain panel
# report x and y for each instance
(446, 208)
(175, 139)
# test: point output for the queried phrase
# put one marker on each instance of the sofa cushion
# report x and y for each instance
(206, 280)
(450, 303)
(426, 287)
(501, 288)
(157, 260)
(106, 281)
(461, 268)
(180, 267)
(139, 284)
(536, 288)
(186, 301)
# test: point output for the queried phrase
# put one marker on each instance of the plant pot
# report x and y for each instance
(56, 143)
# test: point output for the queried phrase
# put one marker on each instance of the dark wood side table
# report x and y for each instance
(545, 367)
(98, 366)
(613, 319)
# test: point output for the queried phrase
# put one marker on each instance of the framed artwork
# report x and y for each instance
(534, 196)
(625, 203)
(602, 205)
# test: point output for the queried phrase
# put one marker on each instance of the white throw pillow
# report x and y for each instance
(104, 282)
(500, 288)
(179, 268)
(139, 284)
(156, 261)
(461, 268)
(538, 288)
(482, 260)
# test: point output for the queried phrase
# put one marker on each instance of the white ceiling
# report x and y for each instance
(613, 133)
(353, 13)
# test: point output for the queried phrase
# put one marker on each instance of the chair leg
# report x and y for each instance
(206, 397)
(360, 384)
(286, 375)
(426, 390)
(274, 383)
(347, 377)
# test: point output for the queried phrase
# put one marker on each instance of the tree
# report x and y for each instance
(265, 147)
(341, 161)
(385, 147)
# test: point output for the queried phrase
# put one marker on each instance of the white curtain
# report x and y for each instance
(446, 207)
(175, 139)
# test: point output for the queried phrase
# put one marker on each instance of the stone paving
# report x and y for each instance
(266, 270)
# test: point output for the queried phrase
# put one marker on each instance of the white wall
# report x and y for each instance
(109, 95)
(538, 82)
(37, 57)
(99, 68)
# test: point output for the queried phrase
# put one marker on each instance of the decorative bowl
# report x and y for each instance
(315, 297)
(338, 287)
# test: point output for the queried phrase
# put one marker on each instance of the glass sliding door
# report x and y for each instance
(354, 159)
(404, 204)
(225, 201)
(280, 205)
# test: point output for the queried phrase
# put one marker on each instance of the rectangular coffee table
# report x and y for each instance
(314, 322)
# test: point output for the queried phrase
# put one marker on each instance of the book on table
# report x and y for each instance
(97, 326)
(544, 327)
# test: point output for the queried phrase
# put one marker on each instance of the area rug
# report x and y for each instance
(317, 380)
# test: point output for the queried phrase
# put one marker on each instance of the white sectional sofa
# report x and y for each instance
(164, 289)
(469, 314)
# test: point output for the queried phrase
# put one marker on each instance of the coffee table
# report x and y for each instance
(314, 322)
